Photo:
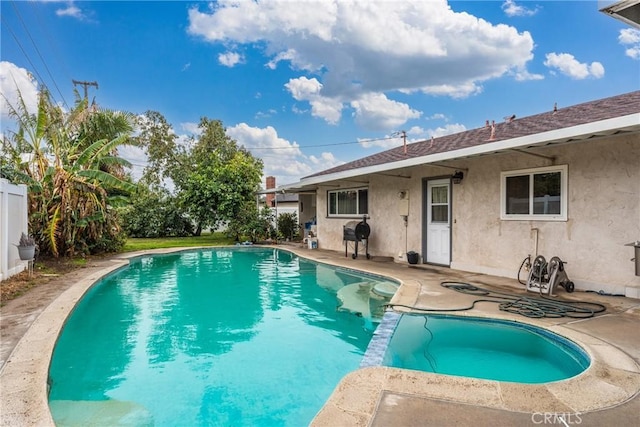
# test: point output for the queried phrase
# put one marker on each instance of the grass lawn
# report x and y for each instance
(208, 239)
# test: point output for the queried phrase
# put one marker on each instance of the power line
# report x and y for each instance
(51, 41)
(35, 70)
(323, 145)
(301, 146)
(15, 8)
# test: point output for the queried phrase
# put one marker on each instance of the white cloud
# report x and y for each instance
(414, 134)
(258, 139)
(297, 110)
(325, 156)
(326, 161)
(417, 133)
(230, 59)
(14, 80)
(417, 130)
(512, 9)
(386, 143)
(353, 49)
(288, 55)
(377, 112)
(191, 128)
(633, 52)
(630, 37)
(266, 114)
(138, 158)
(460, 91)
(448, 129)
(568, 65)
(73, 11)
(282, 158)
(304, 89)
(524, 75)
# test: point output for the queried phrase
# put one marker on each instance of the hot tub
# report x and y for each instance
(475, 347)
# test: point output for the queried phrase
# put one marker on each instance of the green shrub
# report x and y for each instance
(288, 225)
(155, 214)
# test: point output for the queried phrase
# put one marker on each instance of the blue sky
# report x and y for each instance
(308, 85)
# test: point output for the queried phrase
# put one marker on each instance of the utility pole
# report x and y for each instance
(85, 84)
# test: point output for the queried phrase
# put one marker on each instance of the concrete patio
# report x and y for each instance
(605, 394)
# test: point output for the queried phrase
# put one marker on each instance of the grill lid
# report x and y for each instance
(362, 230)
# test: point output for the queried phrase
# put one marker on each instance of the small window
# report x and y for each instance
(348, 202)
(539, 194)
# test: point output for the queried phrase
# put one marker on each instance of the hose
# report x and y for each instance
(532, 307)
(526, 260)
(425, 352)
(606, 294)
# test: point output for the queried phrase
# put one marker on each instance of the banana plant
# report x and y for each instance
(69, 161)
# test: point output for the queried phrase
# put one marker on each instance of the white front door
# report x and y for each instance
(438, 222)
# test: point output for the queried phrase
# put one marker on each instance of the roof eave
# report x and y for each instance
(626, 11)
(628, 123)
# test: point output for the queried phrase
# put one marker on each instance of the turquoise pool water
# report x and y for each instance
(232, 336)
(483, 348)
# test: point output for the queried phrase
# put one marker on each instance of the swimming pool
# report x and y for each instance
(480, 348)
(242, 336)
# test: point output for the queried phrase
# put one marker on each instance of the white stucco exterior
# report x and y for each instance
(603, 213)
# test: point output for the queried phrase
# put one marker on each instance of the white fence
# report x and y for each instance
(13, 222)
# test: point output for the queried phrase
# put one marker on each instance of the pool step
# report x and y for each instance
(83, 413)
(366, 299)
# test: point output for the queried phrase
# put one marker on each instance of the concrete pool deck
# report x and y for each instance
(607, 393)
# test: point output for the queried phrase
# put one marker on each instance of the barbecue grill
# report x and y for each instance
(357, 232)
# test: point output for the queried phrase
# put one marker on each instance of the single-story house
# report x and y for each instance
(286, 203)
(278, 201)
(565, 182)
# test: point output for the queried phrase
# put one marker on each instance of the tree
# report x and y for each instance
(288, 225)
(165, 157)
(68, 160)
(214, 178)
(154, 212)
(252, 224)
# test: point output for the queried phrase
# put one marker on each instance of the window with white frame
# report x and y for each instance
(538, 194)
(348, 202)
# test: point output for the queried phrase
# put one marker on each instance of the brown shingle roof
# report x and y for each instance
(588, 112)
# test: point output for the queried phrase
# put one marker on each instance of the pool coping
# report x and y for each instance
(612, 379)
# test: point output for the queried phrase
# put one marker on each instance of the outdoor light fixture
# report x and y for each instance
(457, 177)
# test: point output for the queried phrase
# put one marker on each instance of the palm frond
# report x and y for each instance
(116, 161)
(52, 232)
(107, 180)
(84, 159)
(118, 201)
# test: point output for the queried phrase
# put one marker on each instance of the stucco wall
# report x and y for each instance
(389, 236)
(603, 215)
